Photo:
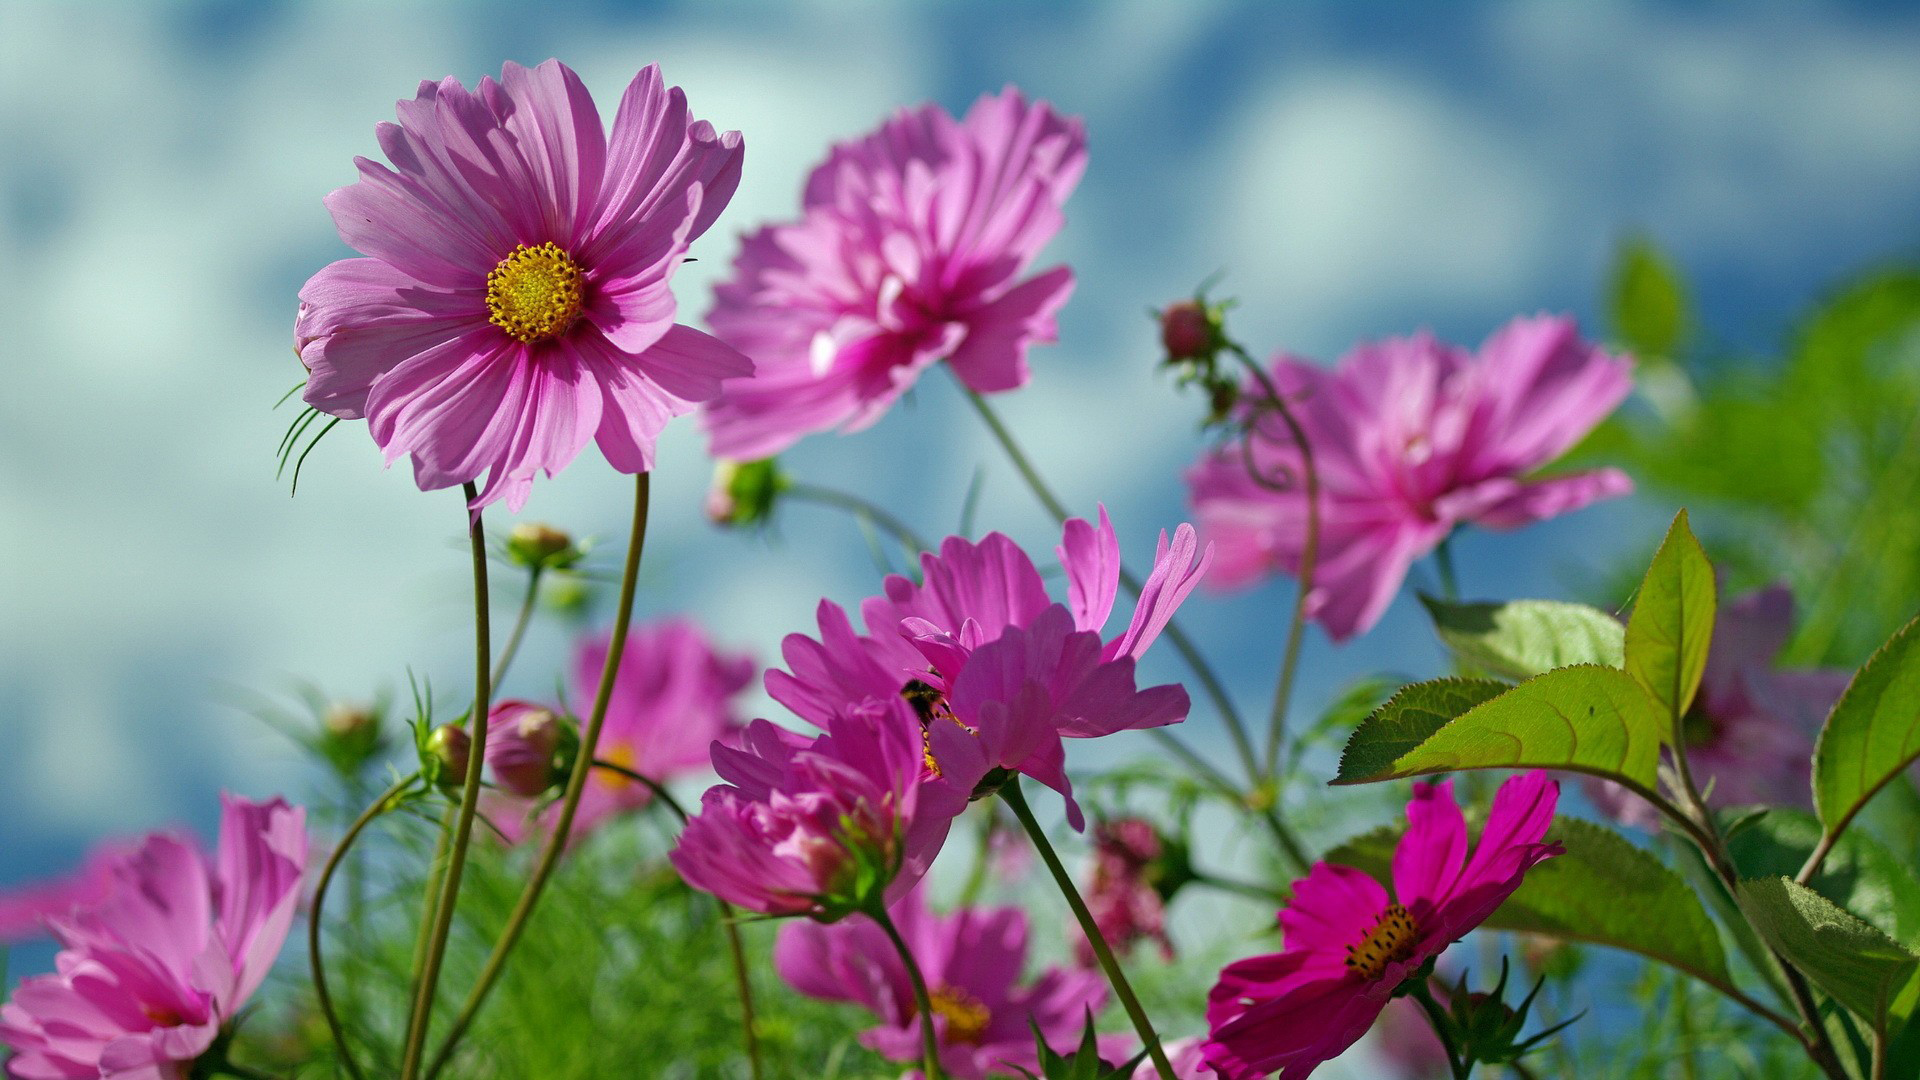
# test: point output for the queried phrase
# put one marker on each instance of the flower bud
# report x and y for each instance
(743, 492)
(350, 735)
(523, 741)
(1187, 331)
(445, 755)
(541, 547)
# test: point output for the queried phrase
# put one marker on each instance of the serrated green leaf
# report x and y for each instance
(1873, 733)
(1408, 719)
(1648, 301)
(1672, 622)
(1522, 638)
(1603, 891)
(1859, 874)
(1589, 719)
(1862, 968)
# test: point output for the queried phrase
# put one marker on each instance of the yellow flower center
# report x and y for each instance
(535, 292)
(620, 754)
(966, 1017)
(1390, 941)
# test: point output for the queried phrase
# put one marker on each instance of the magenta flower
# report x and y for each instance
(908, 251)
(148, 976)
(1751, 731)
(515, 300)
(675, 694)
(972, 961)
(1407, 1042)
(823, 826)
(27, 910)
(1348, 945)
(1120, 893)
(979, 642)
(1411, 438)
(523, 743)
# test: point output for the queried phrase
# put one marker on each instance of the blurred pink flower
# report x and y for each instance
(675, 694)
(1751, 731)
(147, 976)
(972, 961)
(1348, 946)
(1188, 1058)
(1407, 1043)
(515, 302)
(907, 252)
(979, 642)
(522, 742)
(1411, 438)
(1120, 892)
(823, 826)
(25, 911)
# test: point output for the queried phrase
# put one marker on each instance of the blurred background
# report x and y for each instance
(1355, 170)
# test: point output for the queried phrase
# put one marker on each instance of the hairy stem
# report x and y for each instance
(315, 960)
(422, 1015)
(556, 841)
(1122, 989)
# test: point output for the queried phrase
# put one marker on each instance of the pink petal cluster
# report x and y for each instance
(909, 249)
(821, 826)
(979, 642)
(1348, 945)
(1751, 732)
(514, 303)
(675, 694)
(522, 742)
(25, 911)
(972, 960)
(1120, 893)
(1411, 438)
(149, 974)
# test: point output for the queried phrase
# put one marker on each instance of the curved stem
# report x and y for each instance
(556, 841)
(314, 919)
(929, 1039)
(1011, 794)
(519, 630)
(860, 508)
(436, 875)
(422, 1017)
(1442, 1030)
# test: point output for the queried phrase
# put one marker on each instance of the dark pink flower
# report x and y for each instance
(1751, 731)
(515, 301)
(1412, 438)
(1348, 945)
(972, 961)
(148, 976)
(26, 910)
(823, 826)
(909, 250)
(978, 641)
(1120, 894)
(1407, 1042)
(523, 740)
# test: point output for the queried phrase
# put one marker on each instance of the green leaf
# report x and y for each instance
(1859, 874)
(1672, 622)
(1408, 719)
(1523, 638)
(1586, 718)
(1649, 301)
(1873, 733)
(1862, 968)
(1603, 891)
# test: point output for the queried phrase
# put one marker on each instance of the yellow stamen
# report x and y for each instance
(535, 292)
(967, 1018)
(1390, 941)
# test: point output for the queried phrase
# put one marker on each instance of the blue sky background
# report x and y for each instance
(1357, 169)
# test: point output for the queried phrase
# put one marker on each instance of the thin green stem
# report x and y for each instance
(1443, 562)
(556, 841)
(436, 876)
(1457, 1063)
(1011, 794)
(520, 622)
(923, 1001)
(245, 1072)
(859, 508)
(1879, 1066)
(315, 918)
(422, 1018)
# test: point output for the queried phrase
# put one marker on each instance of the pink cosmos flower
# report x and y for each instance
(909, 250)
(821, 826)
(1121, 894)
(515, 303)
(1751, 731)
(523, 740)
(1348, 945)
(675, 694)
(979, 642)
(148, 975)
(1411, 437)
(972, 961)
(26, 910)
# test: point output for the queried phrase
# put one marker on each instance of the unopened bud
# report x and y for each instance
(447, 753)
(522, 742)
(743, 492)
(350, 735)
(1187, 331)
(543, 547)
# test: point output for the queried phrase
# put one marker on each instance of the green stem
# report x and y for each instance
(982, 858)
(519, 626)
(436, 875)
(1010, 792)
(556, 841)
(1457, 1063)
(422, 1017)
(859, 508)
(245, 1072)
(315, 960)
(929, 1039)
(1443, 562)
